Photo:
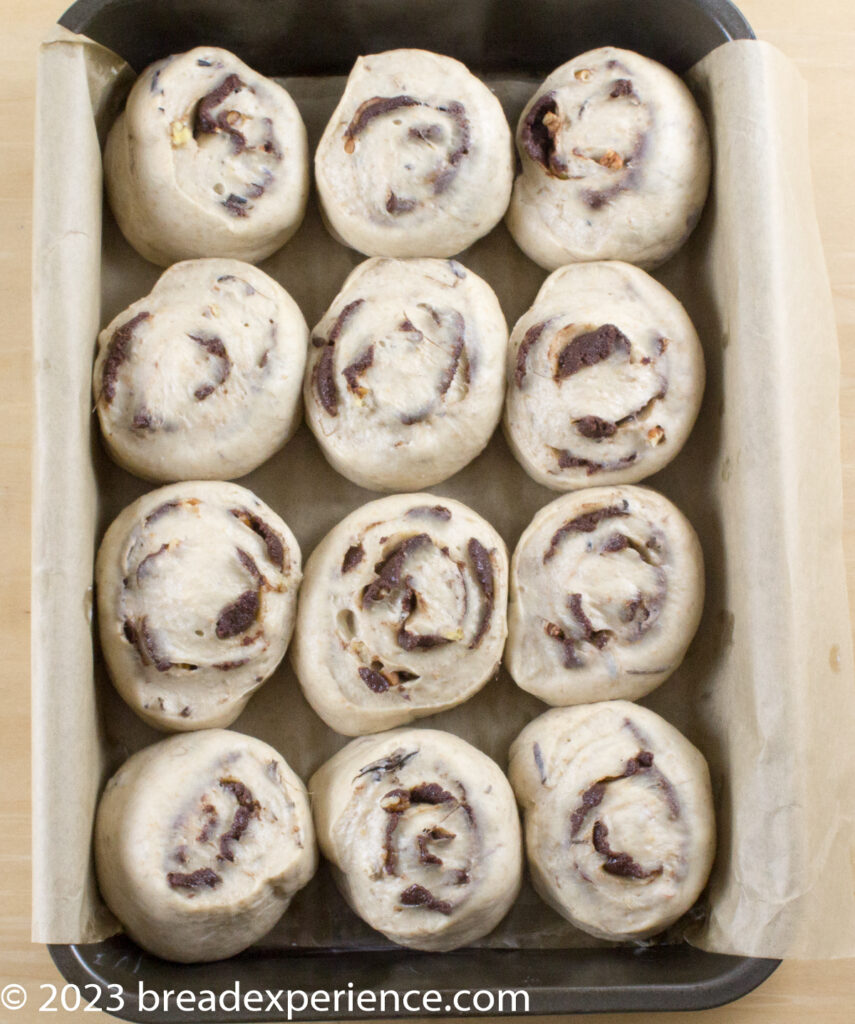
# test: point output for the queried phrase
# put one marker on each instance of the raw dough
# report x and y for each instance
(417, 159)
(401, 613)
(423, 835)
(209, 158)
(202, 378)
(201, 841)
(405, 378)
(605, 378)
(615, 163)
(197, 592)
(607, 589)
(619, 823)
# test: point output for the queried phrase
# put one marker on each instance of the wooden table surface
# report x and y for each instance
(819, 36)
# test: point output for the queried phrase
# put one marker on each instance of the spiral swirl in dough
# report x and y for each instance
(401, 613)
(607, 589)
(605, 378)
(201, 841)
(615, 163)
(619, 823)
(208, 158)
(197, 592)
(202, 378)
(405, 378)
(423, 834)
(417, 159)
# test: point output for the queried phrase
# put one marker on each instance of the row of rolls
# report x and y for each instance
(202, 840)
(406, 608)
(211, 158)
(404, 379)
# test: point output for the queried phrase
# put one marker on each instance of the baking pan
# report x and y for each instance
(490, 36)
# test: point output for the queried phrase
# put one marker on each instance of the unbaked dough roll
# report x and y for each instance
(401, 614)
(202, 378)
(615, 163)
(607, 589)
(209, 158)
(619, 823)
(405, 379)
(417, 159)
(423, 835)
(605, 378)
(197, 592)
(201, 841)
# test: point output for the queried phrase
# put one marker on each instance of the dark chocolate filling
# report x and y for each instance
(118, 351)
(590, 348)
(592, 797)
(437, 834)
(531, 337)
(373, 679)
(483, 566)
(272, 540)
(419, 896)
(598, 637)
(247, 808)
(570, 659)
(538, 138)
(214, 347)
(207, 124)
(585, 523)
(323, 373)
(353, 372)
(389, 571)
(379, 106)
(437, 511)
(621, 864)
(567, 460)
(238, 616)
(352, 557)
(196, 879)
(595, 428)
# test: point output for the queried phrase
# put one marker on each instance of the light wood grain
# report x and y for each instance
(819, 37)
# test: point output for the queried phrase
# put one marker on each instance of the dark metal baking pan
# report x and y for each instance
(490, 36)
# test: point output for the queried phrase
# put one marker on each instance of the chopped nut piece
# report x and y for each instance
(349, 144)
(656, 435)
(180, 133)
(551, 121)
(612, 160)
(583, 74)
(233, 117)
(396, 801)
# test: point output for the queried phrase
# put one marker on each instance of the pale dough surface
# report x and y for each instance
(417, 159)
(401, 613)
(607, 589)
(405, 376)
(605, 378)
(209, 158)
(197, 592)
(423, 833)
(615, 163)
(201, 841)
(619, 822)
(202, 378)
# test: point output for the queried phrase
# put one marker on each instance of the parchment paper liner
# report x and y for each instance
(766, 690)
